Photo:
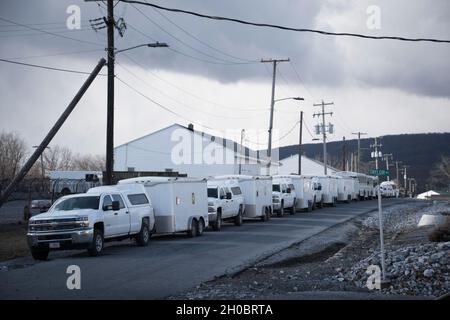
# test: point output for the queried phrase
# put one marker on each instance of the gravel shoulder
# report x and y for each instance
(333, 264)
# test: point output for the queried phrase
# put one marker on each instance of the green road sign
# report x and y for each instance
(379, 172)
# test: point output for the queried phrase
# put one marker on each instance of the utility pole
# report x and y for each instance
(359, 149)
(300, 144)
(378, 154)
(324, 130)
(272, 105)
(386, 157)
(53, 131)
(405, 176)
(396, 172)
(240, 158)
(110, 99)
(344, 155)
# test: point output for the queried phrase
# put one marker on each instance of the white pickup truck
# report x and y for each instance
(283, 195)
(86, 221)
(225, 201)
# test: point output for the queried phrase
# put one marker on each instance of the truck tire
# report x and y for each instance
(192, 232)
(96, 246)
(310, 206)
(40, 254)
(265, 214)
(143, 237)
(314, 206)
(200, 227)
(349, 199)
(217, 225)
(281, 211)
(238, 219)
(293, 209)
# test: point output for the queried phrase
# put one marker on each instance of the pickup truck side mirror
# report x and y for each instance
(229, 196)
(115, 205)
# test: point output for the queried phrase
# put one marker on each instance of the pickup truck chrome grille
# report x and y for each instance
(55, 225)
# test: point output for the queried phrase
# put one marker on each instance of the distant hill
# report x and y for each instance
(419, 151)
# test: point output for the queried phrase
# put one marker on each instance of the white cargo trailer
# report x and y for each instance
(355, 188)
(312, 193)
(180, 204)
(345, 189)
(257, 191)
(329, 189)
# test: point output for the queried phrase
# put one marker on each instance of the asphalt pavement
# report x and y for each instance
(170, 264)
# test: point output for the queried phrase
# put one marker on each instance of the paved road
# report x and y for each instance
(170, 264)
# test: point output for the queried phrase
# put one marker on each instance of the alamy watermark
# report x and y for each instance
(374, 279)
(374, 17)
(74, 280)
(73, 21)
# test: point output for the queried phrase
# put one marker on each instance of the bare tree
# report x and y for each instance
(58, 158)
(89, 162)
(12, 154)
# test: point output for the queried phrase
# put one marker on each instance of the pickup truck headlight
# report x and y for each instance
(275, 199)
(83, 218)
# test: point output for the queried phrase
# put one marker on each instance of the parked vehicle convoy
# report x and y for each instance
(283, 195)
(64, 182)
(304, 192)
(329, 189)
(312, 188)
(225, 202)
(257, 192)
(180, 204)
(346, 189)
(86, 221)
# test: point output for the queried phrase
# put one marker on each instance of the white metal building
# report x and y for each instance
(309, 166)
(185, 150)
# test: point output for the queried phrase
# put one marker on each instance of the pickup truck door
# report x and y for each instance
(123, 216)
(109, 218)
(226, 208)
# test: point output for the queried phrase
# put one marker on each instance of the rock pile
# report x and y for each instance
(419, 270)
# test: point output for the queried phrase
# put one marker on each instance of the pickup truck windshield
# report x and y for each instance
(212, 193)
(276, 187)
(78, 203)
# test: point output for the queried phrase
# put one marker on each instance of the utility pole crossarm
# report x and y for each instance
(324, 130)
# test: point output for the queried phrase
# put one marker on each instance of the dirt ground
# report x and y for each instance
(313, 268)
(13, 242)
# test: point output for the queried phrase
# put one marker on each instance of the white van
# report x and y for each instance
(180, 204)
(225, 202)
(329, 189)
(257, 191)
(283, 195)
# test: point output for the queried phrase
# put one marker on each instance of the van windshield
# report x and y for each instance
(276, 187)
(78, 203)
(212, 193)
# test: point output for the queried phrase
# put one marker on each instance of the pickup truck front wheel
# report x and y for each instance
(96, 246)
(143, 237)
(193, 231)
(238, 219)
(39, 254)
(217, 225)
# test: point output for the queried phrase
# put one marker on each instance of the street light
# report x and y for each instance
(149, 45)
(290, 98)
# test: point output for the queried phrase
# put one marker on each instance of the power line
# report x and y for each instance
(346, 34)
(190, 93)
(222, 61)
(55, 54)
(50, 33)
(46, 67)
(163, 106)
(201, 41)
(220, 116)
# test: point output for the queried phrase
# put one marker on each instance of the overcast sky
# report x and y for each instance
(379, 87)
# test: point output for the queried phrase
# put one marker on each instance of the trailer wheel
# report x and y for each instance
(293, 209)
(349, 198)
(310, 206)
(143, 237)
(314, 206)
(39, 254)
(265, 214)
(201, 227)
(96, 247)
(238, 219)
(193, 231)
(217, 225)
